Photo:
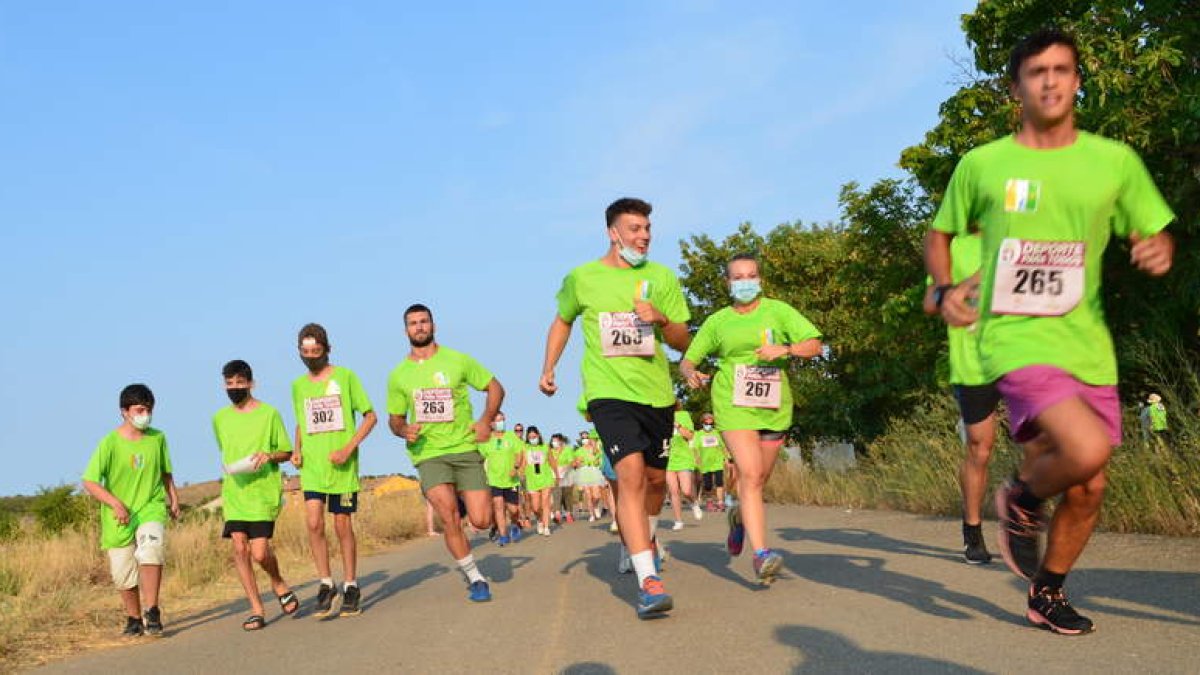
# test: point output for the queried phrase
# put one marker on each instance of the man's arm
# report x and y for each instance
(368, 423)
(172, 495)
(101, 494)
(556, 342)
(937, 264)
(491, 406)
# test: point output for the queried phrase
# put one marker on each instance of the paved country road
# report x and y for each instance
(864, 591)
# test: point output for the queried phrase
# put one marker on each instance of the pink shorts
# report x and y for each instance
(1029, 391)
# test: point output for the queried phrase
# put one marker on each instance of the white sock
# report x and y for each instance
(643, 565)
(350, 582)
(328, 581)
(653, 525)
(467, 565)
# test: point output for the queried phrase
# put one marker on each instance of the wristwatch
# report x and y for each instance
(939, 294)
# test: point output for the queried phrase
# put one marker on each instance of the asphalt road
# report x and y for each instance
(864, 591)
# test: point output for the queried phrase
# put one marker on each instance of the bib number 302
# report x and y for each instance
(1038, 278)
(324, 414)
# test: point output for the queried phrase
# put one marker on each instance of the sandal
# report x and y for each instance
(254, 622)
(287, 600)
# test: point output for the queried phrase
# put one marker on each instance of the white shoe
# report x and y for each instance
(677, 526)
(696, 512)
(625, 563)
(591, 518)
(596, 513)
(613, 528)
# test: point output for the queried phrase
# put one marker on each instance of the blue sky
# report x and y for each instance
(183, 184)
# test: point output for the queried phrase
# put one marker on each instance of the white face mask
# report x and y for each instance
(631, 255)
(140, 422)
(707, 426)
(535, 440)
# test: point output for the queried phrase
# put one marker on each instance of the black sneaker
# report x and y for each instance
(350, 601)
(1050, 609)
(154, 625)
(133, 627)
(325, 596)
(974, 550)
(1018, 532)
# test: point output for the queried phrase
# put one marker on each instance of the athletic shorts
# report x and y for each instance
(627, 428)
(253, 529)
(463, 470)
(343, 503)
(976, 402)
(770, 435)
(147, 549)
(714, 479)
(1029, 391)
(509, 494)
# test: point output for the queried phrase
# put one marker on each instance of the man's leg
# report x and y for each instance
(444, 498)
(262, 554)
(479, 510)
(314, 521)
(676, 497)
(241, 561)
(343, 525)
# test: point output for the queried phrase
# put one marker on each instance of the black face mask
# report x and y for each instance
(315, 364)
(238, 394)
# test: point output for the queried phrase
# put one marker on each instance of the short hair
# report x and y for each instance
(626, 205)
(1036, 43)
(315, 331)
(742, 256)
(236, 368)
(136, 394)
(417, 307)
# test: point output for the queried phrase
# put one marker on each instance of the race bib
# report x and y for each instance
(536, 457)
(324, 414)
(434, 405)
(757, 387)
(1038, 278)
(624, 334)
(709, 442)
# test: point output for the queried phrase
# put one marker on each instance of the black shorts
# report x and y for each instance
(347, 503)
(253, 529)
(627, 428)
(976, 402)
(713, 479)
(509, 494)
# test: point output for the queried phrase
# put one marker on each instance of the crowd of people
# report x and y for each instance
(1014, 259)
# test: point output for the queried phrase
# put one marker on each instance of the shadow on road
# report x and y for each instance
(1177, 592)
(712, 557)
(242, 607)
(601, 563)
(588, 668)
(868, 575)
(859, 538)
(379, 586)
(499, 568)
(827, 652)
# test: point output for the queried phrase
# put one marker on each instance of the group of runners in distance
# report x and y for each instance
(1014, 260)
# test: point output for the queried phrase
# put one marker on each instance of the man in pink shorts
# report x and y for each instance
(1047, 200)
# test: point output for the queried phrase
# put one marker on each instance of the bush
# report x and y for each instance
(59, 508)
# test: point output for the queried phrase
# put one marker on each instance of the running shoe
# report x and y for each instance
(492, 534)
(1050, 609)
(514, 533)
(133, 627)
(351, 598)
(677, 526)
(479, 591)
(325, 596)
(154, 625)
(653, 599)
(974, 550)
(697, 513)
(613, 528)
(737, 532)
(502, 540)
(624, 563)
(1018, 532)
(570, 518)
(546, 531)
(591, 518)
(766, 566)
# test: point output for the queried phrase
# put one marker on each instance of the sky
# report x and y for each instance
(182, 184)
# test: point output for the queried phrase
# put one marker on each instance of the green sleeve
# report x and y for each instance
(280, 442)
(568, 302)
(1140, 206)
(97, 466)
(166, 454)
(397, 397)
(673, 306)
(704, 343)
(297, 405)
(358, 396)
(216, 427)
(954, 215)
(476, 375)
(797, 328)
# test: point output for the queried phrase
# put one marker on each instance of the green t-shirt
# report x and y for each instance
(499, 459)
(1158, 417)
(599, 292)
(538, 474)
(734, 337)
(325, 412)
(133, 472)
(424, 391)
(711, 448)
(682, 458)
(588, 455)
(254, 496)
(965, 367)
(1080, 194)
(564, 456)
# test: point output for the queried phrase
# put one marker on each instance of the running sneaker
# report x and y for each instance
(154, 625)
(570, 518)
(133, 627)
(677, 526)
(514, 533)
(479, 591)
(974, 550)
(325, 596)
(351, 598)
(591, 518)
(653, 599)
(546, 531)
(766, 566)
(492, 534)
(502, 540)
(737, 532)
(697, 513)
(1050, 609)
(624, 563)
(1018, 532)
(613, 528)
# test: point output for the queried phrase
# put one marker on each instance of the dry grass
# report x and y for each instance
(66, 576)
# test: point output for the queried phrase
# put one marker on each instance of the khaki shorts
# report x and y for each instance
(147, 549)
(463, 470)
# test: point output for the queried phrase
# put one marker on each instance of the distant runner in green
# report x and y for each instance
(753, 340)
(1048, 200)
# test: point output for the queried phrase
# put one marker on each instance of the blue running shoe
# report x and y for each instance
(737, 532)
(502, 541)
(514, 533)
(766, 566)
(479, 592)
(653, 600)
